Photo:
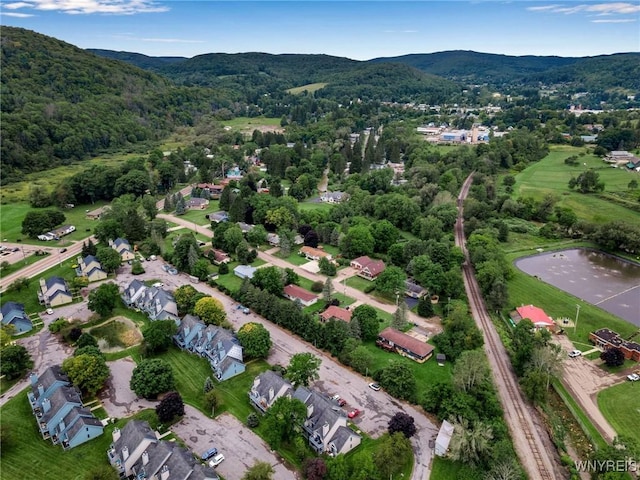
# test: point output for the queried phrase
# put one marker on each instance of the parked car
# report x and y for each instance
(166, 267)
(634, 377)
(217, 460)
(158, 285)
(62, 250)
(49, 311)
(244, 309)
(353, 413)
(208, 454)
(575, 353)
(340, 401)
(374, 386)
(172, 271)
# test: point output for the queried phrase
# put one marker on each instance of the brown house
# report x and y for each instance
(337, 313)
(395, 341)
(606, 339)
(367, 267)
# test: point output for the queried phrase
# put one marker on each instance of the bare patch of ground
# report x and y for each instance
(128, 336)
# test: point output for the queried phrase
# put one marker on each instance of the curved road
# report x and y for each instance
(529, 442)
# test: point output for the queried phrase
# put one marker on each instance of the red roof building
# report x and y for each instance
(538, 317)
(367, 267)
(407, 346)
(337, 313)
(294, 292)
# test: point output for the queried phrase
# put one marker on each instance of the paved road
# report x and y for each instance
(378, 407)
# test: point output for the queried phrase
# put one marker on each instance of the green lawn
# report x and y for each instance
(425, 373)
(251, 123)
(620, 405)
(525, 289)
(443, 469)
(199, 215)
(551, 175)
(314, 206)
(14, 267)
(25, 452)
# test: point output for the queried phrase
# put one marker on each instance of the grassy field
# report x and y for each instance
(249, 124)
(25, 452)
(197, 215)
(525, 289)
(311, 87)
(443, 469)
(551, 175)
(19, 192)
(11, 224)
(620, 405)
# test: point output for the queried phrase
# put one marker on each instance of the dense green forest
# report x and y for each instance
(61, 104)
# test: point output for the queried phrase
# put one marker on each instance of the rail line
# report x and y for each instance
(518, 414)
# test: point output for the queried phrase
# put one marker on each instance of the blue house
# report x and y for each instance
(58, 409)
(219, 346)
(43, 386)
(12, 313)
(244, 271)
(157, 303)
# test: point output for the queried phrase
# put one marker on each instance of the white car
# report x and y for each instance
(158, 285)
(49, 311)
(575, 353)
(217, 460)
(374, 386)
(634, 377)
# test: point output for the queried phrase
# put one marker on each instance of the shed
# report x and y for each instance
(443, 439)
(441, 358)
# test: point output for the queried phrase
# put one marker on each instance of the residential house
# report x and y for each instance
(244, 271)
(298, 240)
(395, 341)
(189, 327)
(335, 312)
(90, 268)
(195, 202)
(62, 231)
(537, 316)
(606, 339)
(334, 197)
(218, 217)
(12, 313)
(210, 190)
(219, 346)
(296, 293)
(97, 213)
(157, 303)
(273, 239)
(413, 290)
(245, 227)
(325, 426)
(368, 268)
(218, 257)
(43, 386)
(315, 253)
(123, 247)
(137, 453)
(60, 415)
(267, 388)
(234, 173)
(54, 291)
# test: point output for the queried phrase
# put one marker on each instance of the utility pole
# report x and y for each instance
(575, 325)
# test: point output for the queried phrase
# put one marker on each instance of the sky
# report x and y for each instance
(359, 30)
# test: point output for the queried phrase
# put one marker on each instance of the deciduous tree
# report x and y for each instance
(104, 299)
(158, 335)
(210, 310)
(613, 357)
(108, 258)
(152, 377)
(255, 340)
(392, 453)
(399, 381)
(170, 407)
(303, 368)
(403, 423)
(282, 420)
(259, 471)
(87, 372)
(14, 361)
(367, 317)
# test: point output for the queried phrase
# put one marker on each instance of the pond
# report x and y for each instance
(609, 282)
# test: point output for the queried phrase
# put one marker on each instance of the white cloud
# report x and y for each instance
(613, 20)
(616, 8)
(17, 14)
(85, 7)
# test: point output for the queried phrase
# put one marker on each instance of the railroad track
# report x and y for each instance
(526, 438)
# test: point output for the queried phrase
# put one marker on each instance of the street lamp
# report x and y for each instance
(575, 325)
(397, 297)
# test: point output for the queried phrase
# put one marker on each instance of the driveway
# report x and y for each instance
(117, 397)
(240, 446)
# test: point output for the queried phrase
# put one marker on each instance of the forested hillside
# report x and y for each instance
(61, 103)
(583, 73)
(251, 75)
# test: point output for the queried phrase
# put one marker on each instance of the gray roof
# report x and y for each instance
(341, 436)
(268, 380)
(47, 378)
(9, 307)
(89, 258)
(59, 398)
(132, 435)
(158, 453)
(83, 421)
(323, 411)
(52, 281)
(189, 321)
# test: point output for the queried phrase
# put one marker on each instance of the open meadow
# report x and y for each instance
(551, 176)
(620, 405)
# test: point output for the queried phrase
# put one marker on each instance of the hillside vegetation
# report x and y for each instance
(61, 104)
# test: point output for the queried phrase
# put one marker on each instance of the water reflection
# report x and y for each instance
(609, 282)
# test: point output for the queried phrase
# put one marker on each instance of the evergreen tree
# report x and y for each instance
(399, 321)
(168, 204)
(181, 206)
(327, 290)
(225, 198)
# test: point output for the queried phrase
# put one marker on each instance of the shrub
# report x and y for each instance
(253, 420)
(170, 406)
(370, 288)
(137, 268)
(317, 287)
(57, 325)
(211, 400)
(223, 269)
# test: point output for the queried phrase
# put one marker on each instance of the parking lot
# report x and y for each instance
(240, 446)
